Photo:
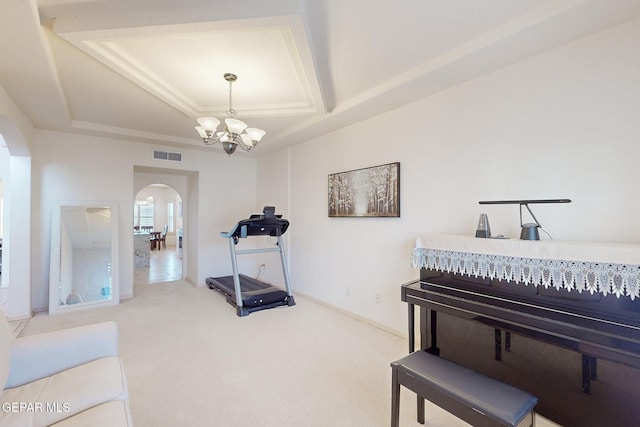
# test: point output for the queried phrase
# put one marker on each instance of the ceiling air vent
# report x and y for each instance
(167, 155)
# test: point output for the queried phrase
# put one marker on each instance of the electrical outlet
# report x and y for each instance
(263, 266)
(377, 298)
(348, 290)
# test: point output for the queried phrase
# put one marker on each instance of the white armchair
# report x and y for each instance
(71, 377)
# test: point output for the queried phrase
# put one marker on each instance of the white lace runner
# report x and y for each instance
(617, 279)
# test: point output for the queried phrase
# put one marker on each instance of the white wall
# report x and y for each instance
(560, 125)
(273, 190)
(69, 167)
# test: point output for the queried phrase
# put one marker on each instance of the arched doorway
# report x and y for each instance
(158, 226)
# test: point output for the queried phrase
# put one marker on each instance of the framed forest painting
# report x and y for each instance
(368, 192)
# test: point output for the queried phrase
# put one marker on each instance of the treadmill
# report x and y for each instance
(245, 293)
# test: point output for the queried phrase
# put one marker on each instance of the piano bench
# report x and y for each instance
(478, 400)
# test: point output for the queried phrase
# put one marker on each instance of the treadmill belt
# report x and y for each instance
(254, 292)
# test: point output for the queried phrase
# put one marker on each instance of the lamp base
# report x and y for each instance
(485, 234)
(530, 232)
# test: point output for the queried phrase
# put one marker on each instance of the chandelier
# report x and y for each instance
(235, 132)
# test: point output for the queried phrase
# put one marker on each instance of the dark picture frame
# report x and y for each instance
(367, 192)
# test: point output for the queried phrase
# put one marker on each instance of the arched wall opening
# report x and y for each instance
(158, 224)
(185, 184)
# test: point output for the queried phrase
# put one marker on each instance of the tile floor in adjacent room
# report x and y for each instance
(165, 266)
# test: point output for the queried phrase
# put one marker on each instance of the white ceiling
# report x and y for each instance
(144, 70)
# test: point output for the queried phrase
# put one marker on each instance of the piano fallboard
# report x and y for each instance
(592, 324)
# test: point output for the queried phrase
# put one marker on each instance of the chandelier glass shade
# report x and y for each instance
(234, 133)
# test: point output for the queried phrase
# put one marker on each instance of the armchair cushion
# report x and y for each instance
(72, 377)
(67, 393)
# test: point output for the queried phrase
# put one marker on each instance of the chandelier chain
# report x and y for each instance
(231, 111)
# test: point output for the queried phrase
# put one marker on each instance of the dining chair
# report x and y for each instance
(162, 240)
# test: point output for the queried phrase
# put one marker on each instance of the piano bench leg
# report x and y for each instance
(507, 341)
(395, 399)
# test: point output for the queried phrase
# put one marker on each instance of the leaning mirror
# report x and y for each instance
(84, 270)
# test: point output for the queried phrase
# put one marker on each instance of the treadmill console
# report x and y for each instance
(267, 224)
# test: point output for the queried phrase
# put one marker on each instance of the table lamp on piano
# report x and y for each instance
(529, 231)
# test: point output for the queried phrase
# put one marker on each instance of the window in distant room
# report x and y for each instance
(170, 217)
(143, 214)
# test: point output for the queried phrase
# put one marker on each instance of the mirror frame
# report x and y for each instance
(54, 266)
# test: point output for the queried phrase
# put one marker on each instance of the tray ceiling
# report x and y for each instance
(184, 64)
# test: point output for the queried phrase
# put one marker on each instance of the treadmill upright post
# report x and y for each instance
(285, 269)
(236, 278)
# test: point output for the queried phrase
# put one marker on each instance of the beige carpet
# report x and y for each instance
(191, 361)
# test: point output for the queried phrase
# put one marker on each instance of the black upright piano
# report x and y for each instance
(533, 297)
